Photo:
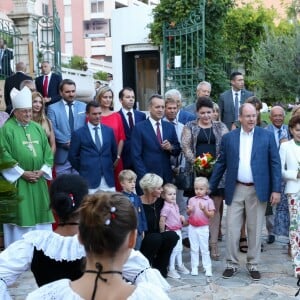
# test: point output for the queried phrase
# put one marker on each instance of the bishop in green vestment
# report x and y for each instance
(25, 143)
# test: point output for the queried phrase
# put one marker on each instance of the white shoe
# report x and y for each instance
(182, 269)
(173, 274)
(208, 273)
(194, 272)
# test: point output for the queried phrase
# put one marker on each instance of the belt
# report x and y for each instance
(245, 183)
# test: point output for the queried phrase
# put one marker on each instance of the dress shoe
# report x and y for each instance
(271, 239)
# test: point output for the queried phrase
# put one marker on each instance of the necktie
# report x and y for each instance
(71, 116)
(97, 138)
(236, 106)
(130, 119)
(158, 134)
(1, 53)
(279, 136)
(45, 86)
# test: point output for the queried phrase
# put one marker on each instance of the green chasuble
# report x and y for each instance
(28, 147)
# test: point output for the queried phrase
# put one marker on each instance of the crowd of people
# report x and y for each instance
(116, 209)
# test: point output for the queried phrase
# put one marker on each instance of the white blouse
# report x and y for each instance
(16, 259)
(60, 290)
(290, 164)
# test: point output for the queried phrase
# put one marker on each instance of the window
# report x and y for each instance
(97, 6)
(68, 37)
(45, 9)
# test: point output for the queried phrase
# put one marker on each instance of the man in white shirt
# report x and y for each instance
(250, 158)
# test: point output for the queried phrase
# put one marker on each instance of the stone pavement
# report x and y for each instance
(276, 269)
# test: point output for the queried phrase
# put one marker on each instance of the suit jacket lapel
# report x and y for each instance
(62, 110)
(151, 131)
(236, 143)
(126, 126)
(256, 137)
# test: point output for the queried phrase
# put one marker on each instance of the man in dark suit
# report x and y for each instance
(182, 116)
(153, 142)
(48, 84)
(250, 158)
(130, 117)
(93, 151)
(6, 56)
(66, 116)
(232, 99)
(14, 81)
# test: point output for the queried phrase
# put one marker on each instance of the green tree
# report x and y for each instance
(243, 31)
(173, 12)
(76, 62)
(100, 75)
(276, 67)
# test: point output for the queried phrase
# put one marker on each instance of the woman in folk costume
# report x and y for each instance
(25, 143)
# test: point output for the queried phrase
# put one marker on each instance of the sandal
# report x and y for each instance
(243, 245)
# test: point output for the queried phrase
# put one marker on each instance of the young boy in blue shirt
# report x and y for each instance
(127, 179)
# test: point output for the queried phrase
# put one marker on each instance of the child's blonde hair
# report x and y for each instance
(168, 186)
(127, 175)
(203, 181)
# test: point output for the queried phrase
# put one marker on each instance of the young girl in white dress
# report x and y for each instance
(107, 230)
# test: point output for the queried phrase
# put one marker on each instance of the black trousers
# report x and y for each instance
(157, 247)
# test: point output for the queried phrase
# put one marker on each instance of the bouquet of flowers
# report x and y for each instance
(203, 164)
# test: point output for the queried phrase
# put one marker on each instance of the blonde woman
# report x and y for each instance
(39, 116)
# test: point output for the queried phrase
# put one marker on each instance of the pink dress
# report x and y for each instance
(114, 121)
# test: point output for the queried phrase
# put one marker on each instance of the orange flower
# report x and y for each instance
(204, 163)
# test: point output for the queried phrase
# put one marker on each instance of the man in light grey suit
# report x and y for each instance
(66, 116)
(231, 100)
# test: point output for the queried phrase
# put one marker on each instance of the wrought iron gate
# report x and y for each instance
(48, 40)
(11, 37)
(184, 53)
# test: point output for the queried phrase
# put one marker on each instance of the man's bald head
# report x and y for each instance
(20, 67)
(277, 115)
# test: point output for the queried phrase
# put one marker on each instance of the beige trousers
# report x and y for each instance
(244, 200)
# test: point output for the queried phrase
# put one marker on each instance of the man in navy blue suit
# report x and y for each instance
(93, 151)
(48, 84)
(130, 117)
(249, 155)
(153, 142)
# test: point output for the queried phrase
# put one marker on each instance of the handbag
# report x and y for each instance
(183, 178)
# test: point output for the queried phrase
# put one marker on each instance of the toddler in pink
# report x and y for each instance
(171, 220)
(200, 209)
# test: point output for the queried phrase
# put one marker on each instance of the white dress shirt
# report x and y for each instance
(244, 170)
(239, 97)
(125, 111)
(153, 123)
(92, 132)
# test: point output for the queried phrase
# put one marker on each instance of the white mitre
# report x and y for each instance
(21, 99)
